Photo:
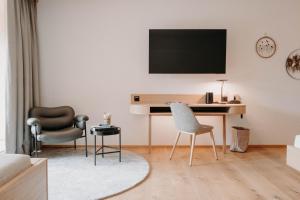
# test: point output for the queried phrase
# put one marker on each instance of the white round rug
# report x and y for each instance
(73, 176)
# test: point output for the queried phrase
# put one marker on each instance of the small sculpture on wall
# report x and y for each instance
(293, 64)
(265, 47)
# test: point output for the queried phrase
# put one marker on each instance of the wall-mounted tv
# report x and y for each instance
(187, 51)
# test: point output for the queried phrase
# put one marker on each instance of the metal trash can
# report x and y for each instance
(240, 139)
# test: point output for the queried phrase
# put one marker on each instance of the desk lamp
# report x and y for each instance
(223, 99)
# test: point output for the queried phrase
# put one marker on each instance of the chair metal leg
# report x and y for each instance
(213, 143)
(74, 144)
(173, 149)
(35, 146)
(86, 153)
(192, 148)
(31, 145)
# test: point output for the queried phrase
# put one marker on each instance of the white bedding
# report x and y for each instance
(11, 165)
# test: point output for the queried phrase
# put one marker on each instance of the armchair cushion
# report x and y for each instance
(54, 118)
(58, 136)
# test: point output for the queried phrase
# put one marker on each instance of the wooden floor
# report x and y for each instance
(261, 173)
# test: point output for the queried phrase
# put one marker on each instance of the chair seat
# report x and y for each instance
(59, 136)
(204, 129)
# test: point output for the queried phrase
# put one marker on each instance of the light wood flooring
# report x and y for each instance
(261, 173)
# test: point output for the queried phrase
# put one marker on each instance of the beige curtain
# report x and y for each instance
(23, 73)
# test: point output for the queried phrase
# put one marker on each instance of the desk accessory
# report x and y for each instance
(234, 102)
(223, 98)
(237, 97)
(209, 97)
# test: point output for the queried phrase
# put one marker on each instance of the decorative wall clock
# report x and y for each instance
(293, 64)
(265, 47)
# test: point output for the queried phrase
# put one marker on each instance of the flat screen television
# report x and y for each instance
(187, 51)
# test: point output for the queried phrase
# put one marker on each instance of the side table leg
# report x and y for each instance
(95, 151)
(86, 153)
(102, 147)
(120, 147)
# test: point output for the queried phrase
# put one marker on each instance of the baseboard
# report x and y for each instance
(168, 146)
(267, 146)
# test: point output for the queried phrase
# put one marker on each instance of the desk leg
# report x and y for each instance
(224, 133)
(149, 134)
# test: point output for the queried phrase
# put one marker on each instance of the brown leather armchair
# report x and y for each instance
(56, 125)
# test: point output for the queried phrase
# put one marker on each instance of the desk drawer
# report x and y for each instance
(194, 109)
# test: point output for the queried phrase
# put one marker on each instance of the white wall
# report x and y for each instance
(94, 54)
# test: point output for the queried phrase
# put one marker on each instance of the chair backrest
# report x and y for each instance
(184, 118)
(54, 118)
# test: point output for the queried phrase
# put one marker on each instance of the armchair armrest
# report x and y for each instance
(33, 121)
(35, 125)
(80, 121)
(81, 118)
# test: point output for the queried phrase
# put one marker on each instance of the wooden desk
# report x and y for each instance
(157, 108)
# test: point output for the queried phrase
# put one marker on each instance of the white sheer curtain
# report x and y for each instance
(3, 70)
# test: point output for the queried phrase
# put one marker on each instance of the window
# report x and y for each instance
(3, 64)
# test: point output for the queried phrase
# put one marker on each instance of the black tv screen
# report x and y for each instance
(187, 51)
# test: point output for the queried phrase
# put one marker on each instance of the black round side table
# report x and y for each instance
(105, 131)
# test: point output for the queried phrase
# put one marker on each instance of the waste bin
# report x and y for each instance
(240, 139)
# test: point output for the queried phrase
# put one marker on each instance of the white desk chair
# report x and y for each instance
(187, 123)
